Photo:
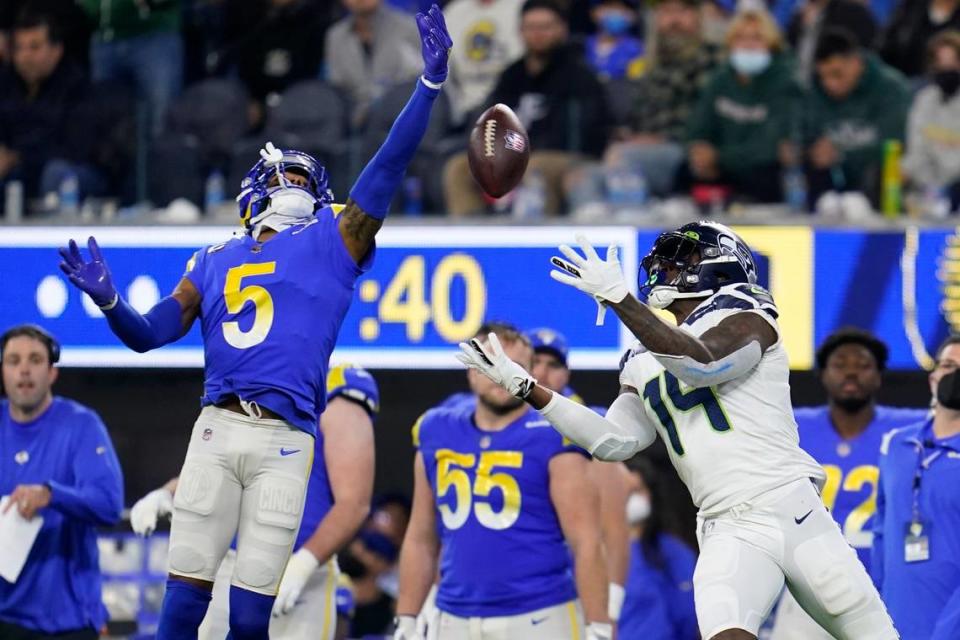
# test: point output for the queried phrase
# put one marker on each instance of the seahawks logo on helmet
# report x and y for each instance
(256, 187)
(707, 256)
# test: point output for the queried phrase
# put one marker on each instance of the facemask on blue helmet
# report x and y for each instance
(694, 262)
(268, 199)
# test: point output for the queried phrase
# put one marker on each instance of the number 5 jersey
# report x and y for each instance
(270, 315)
(502, 550)
(737, 440)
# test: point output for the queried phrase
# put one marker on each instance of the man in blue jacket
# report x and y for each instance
(56, 462)
(916, 542)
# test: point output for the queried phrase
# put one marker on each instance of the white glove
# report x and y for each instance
(301, 566)
(407, 629)
(271, 154)
(599, 631)
(603, 280)
(156, 504)
(492, 362)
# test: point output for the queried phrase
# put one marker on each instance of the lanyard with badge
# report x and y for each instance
(916, 546)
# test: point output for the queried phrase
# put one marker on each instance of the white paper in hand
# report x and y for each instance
(17, 536)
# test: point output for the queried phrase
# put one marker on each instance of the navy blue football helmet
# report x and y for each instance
(724, 259)
(255, 189)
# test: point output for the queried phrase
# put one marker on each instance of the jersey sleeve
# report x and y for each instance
(355, 384)
(741, 298)
(195, 268)
(629, 366)
(330, 245)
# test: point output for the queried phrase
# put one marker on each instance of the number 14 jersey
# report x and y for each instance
(737, 440)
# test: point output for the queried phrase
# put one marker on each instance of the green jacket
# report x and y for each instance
(121, 19)
(747, 121)
(875, 111)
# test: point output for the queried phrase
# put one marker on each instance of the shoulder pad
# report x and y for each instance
(356, 384)
(634, 350)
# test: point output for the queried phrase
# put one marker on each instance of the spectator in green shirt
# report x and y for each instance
(856, 103)
(744, 116)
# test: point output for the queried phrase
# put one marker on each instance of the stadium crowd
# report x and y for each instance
(841, 107)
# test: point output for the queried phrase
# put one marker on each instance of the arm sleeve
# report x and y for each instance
(96, 496)
(948, 623)
(622, 433)
(378, 181)
(157, 327)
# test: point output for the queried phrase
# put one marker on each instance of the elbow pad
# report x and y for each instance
(709, 374)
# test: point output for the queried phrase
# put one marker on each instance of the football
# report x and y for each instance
(498, 151)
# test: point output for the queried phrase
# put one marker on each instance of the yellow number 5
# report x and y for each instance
(235, 298)
(450, 477)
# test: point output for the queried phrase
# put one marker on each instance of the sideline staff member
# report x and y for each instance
(916, 543)
(56, 460)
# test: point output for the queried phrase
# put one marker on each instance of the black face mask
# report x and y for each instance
(948, 391)
(948, 81)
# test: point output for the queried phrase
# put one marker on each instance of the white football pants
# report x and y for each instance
(559, 622)
(245, 476)
(784, 534)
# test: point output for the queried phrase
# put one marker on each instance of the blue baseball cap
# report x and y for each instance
(546, 340)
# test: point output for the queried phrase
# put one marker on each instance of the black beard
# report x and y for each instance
(851, 405)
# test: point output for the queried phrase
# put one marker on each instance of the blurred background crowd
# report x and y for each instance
(845, 108)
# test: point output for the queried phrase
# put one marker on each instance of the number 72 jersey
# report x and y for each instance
(270, 314)
(734, 441)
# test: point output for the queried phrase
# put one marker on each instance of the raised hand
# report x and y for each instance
(93, 278)
(492, 362)
(600, 279)
(435, 44)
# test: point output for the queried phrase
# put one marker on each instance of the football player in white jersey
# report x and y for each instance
(716, 387)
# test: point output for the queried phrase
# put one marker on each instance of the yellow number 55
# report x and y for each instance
(235, 298)
(449, 476)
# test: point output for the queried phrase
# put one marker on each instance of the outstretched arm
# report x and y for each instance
(167, 321)
(371, 193)
(619, 435)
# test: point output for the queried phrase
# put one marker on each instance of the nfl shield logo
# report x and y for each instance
(514, 141)
(207, 434)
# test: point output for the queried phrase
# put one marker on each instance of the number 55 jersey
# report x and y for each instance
(270, 314)
(502, 550)
(737, 440)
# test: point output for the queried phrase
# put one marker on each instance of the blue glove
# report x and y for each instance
(92, 277)
(435, 44)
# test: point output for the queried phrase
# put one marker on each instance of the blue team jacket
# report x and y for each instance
(66, 447)
(923, 598)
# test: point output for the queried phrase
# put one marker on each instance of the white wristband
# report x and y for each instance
(431, 85)
(112, 303)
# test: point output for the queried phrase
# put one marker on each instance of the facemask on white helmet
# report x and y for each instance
(638, 508)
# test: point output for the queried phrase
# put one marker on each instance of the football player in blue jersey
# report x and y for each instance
(338, 501)
(271, 303)
(844, 436)
(499, 496)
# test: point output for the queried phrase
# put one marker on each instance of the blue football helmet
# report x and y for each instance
(724, 259)
(255, 189)
(355, 383)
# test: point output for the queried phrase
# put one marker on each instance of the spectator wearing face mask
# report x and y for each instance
(932, 162)
(614, 51)
(659, 600)
(743, 117)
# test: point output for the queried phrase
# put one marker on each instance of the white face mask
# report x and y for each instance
(289, 206)
(638, 508)
(750, 62)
